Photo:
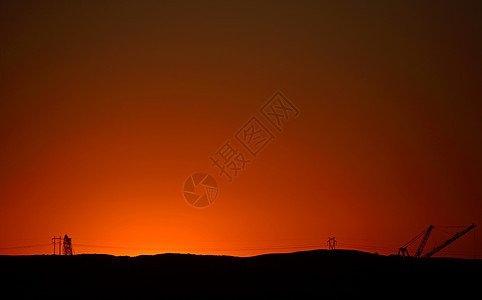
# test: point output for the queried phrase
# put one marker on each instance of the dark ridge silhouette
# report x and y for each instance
(299, 274)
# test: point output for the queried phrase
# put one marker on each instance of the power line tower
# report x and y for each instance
(64, 245)
(67, 245)
(331, 243)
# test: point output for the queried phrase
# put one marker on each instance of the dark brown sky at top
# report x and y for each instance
(106, 109)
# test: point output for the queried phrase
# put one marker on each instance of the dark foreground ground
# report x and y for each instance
(294, 275)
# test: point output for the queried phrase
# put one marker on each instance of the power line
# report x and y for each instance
(198, 249)
(343, 245)
(27, 246)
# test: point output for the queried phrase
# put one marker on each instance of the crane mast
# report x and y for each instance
(403, 250)
(424, 241)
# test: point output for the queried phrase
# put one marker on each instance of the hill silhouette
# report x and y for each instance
(298, 274)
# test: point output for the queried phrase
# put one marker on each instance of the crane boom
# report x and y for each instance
(424, 241)
(448, 242)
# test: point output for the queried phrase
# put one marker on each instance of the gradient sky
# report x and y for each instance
(106, 109)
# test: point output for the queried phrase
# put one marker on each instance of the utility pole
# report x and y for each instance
(56, 240)
(331, 243)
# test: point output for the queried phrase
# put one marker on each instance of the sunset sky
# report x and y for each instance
(106, 110)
